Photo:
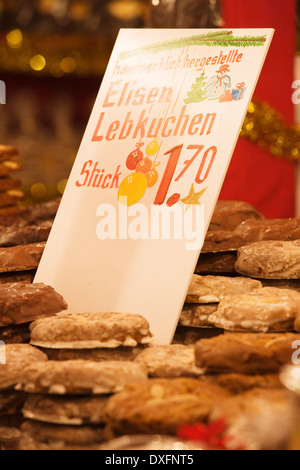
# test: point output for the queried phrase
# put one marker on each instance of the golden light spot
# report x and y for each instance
(126, 11)
(79, 10)
(251, 108)
(61, 185)
(280, 140)
(38, 190)
(37, 63)
(68, 65)
(249, 126)
(295, 152)
(15, 38)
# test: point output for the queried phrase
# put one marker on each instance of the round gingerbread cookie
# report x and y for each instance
(270, 260)
(17, 357)
(162, 405)
(175, 360)
(211, 289)
(90, 330)
(229, 214)
(252, 230)
(249, 353)
(22, 302)
(44, 436)
(75, 411)
(79, 377)
(267, 309)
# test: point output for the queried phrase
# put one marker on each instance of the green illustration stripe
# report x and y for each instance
(219, 38)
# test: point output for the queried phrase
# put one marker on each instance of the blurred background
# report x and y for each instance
(53, 54)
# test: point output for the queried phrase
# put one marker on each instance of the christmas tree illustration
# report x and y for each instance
(198, 92)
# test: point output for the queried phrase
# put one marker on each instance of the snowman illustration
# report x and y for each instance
(219, 83)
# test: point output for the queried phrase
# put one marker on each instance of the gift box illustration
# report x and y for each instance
(239, 91)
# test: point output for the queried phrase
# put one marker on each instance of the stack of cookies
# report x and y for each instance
(23, 302)
(23, 229)
(91, 358)
(17, 357)
(205, 294)
(10, 193)
(22, 240)
(248, 365)
(219, 251)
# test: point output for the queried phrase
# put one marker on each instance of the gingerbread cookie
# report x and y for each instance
(17, 357)
(275, 229)
(267, 309)
(216, 263)
(75, 411)
(42, 436)
(37, 213)
(22, 302)
(270, 260)
(221, 240)
(79, 377)
(91, 330)
(250, 353)
(171, 361)
(211, 289)
(11, 197)
(162, 405)
(21, 258)
(229, 214)
(24, 235)
(239, 383)
(9, 166)
(197, 316)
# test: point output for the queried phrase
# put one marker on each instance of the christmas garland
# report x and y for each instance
(266, 127)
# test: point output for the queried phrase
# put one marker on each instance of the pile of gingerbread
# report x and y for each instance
(96, 381)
